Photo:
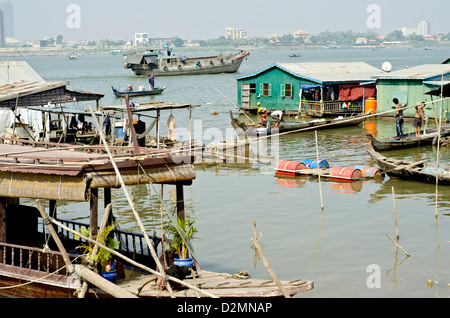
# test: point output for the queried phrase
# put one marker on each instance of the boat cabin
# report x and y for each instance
(316, 89)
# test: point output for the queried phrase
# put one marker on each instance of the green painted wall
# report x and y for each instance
(411, 92)
(276, 78)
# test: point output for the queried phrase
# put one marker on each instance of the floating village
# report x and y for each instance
(52, 152)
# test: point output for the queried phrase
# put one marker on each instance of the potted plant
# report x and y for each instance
(103, 257)
(178, 246)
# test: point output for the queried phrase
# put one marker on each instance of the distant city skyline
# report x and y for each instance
(202, 19)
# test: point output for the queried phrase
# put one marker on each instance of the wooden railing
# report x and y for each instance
(34, 258)
(330, 107)
(129, 242)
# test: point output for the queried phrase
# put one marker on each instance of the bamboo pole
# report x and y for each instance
(95, 249)
(397, 245)
(318, 169)
(130, 202)
(48, 223)
(132, 262)
(103, 283)
(395, 212)
(267, 265)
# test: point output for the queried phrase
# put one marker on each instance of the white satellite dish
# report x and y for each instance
(386, 66)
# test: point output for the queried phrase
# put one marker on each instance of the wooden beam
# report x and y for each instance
(180, 201)
(94, 212)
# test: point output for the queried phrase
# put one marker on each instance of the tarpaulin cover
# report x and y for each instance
(308, 86)
(353, 92)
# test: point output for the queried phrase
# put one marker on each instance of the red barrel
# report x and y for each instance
(370, 172)
(345, 173)
(289, 168)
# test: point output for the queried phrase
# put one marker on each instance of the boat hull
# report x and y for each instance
(418, 171)
(190, 66)
(120, 94)
(410, 141)
(242, 128)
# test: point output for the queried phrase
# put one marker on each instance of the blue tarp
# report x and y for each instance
(308, 86)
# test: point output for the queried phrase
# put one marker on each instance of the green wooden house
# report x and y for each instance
(410, 86)
(316, 89)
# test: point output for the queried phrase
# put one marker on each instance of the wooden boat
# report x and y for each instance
(416, 171)
(242, 128)
(130, 94)
(295, 55)
(162, 62)
(33, 265)
(409, 141)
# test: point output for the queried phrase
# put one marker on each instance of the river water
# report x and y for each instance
(342, 248)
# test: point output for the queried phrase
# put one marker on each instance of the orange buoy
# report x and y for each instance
(345, 173)
(289, 168)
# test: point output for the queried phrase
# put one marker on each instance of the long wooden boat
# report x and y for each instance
(34, 266)
(162, 62)
(409, 141)
(242, 128)
(130, 94)
(417, 171)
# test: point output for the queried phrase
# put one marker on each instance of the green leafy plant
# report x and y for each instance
(177, 245)
(103, 257)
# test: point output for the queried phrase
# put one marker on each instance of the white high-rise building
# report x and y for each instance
(235, 33)
(423, 28)
(140, 39)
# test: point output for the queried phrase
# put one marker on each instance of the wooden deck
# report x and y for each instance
(219, 284)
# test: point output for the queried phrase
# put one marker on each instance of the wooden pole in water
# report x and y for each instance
(395, 212)
(397, 245)
(318, 170)
(267, 265)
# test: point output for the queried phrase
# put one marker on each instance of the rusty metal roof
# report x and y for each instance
(421, 72)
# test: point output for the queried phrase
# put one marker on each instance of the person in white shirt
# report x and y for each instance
(278, 116)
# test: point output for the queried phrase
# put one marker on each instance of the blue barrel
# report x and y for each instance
(313, 164)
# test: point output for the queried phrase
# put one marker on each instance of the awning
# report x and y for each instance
(353, 92)
(47, 187)
(159, 174)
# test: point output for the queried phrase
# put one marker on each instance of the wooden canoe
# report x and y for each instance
(409, 141)
(120, 94)
(260, 130)
(421, 171)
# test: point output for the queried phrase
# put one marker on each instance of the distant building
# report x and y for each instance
(140, 39)
(302, 34)
(8, 15)
(423, 28)
(361, 41)
(2, 29)
(235, 33)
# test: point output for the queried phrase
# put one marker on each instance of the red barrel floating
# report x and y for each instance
(370, 172)
(345, 173)
(289, 168)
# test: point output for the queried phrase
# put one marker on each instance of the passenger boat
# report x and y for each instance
(410, 140)
(162, 62)
(242, 128)
(130, 94)
(416, 171)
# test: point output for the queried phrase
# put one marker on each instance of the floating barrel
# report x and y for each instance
(370, 172)
(289, 168)
(313, 164)
(345, 173)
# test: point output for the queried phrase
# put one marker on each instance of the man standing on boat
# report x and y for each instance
(399, 118)
(418, 118)
(151, 81)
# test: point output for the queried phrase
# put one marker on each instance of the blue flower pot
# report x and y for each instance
(184, 262)
(110, 275)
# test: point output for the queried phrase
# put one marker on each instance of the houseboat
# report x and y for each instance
(163, 62)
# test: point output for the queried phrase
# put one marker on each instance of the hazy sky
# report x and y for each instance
(206, 19)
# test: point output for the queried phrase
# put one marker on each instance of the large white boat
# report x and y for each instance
(162, 62)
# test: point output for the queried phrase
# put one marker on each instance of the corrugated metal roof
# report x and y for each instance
(421, 72)
(24, 88)
(328, 72)
(14, 71)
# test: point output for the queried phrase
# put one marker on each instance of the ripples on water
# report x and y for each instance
(333, 247)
